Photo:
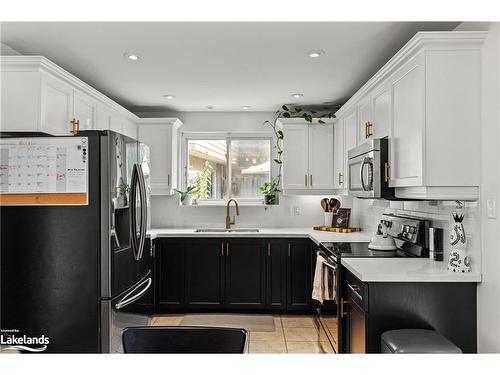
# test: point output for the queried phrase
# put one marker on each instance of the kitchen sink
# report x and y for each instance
(222, 230)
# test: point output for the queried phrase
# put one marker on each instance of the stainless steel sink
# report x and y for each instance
(222, 230)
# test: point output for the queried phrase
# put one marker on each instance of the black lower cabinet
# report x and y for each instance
(375, 307)
(276, 275)
(299, 282)
(245, 274)
(234, 274)
(170, 283)
(204, 274)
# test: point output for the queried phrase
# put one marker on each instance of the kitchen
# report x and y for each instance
(235, 201)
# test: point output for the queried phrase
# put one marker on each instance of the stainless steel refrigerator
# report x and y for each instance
(79, 274)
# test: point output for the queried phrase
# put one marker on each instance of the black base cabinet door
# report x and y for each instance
(299, 275)
(204, 274)
(245, 274)
(169, 256)
(276, 275)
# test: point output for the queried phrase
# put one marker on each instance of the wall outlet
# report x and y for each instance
(491, 208)
(288, 210)
(296, 210)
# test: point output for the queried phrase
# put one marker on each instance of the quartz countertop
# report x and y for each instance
(405, 270)
(315, 235)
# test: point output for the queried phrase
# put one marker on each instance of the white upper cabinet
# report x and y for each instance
(350, 139)
(161, 135)
(338, 155)
(85, 110)
(426, 99)
(307, 157)
(39, 96)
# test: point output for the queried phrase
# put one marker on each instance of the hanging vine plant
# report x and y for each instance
(271, 189)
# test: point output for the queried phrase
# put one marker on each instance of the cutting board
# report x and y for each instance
(337, 230)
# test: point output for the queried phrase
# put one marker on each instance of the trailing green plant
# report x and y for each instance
(273, 186)
(184, 194)
(203, 181)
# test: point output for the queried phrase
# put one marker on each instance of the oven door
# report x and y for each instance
(327, 313)
(364, 175)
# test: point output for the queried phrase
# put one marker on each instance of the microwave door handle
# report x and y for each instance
(132, 296)
(361, 175)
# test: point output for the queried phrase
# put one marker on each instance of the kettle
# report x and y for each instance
(381, 240)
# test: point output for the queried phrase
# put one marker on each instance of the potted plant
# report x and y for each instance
(271, 189)
(185, 196)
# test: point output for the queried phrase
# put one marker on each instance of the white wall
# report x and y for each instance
(6, 50)
(293, 211)
(489, 289)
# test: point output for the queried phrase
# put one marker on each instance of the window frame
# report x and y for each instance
(228, 137)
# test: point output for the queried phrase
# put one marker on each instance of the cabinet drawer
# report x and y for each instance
(356, 291)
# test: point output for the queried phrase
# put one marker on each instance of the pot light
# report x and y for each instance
(297, 96)
(245, 107)
(315, 53)
(169, 96)
(131, 56)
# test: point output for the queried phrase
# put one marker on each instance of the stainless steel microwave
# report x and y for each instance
(368, 170)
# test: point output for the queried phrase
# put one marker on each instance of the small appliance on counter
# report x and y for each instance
(381, 240)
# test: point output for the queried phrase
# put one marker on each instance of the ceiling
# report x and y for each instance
(225, 65)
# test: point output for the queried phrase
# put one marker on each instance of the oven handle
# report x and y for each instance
(328, 263)
(128, 299)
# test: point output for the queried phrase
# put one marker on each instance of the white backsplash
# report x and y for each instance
(293, 211)
(367, 213)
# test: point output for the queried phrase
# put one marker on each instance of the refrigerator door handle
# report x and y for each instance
(144, 213)
(134, 242)
(133, 295)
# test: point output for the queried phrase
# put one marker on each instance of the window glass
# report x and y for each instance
(250, 167)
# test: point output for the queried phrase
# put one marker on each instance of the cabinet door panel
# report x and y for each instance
(56, 107)
(406, 141)
(276, 274)
(381, 111)
(170, 273)
(84, 109)
(103, 118)
(350, 133)
(245, 274)
(295, 157)
(299, 275)
(339, 155)
(364, 116)
(320, 156)
(204, 273)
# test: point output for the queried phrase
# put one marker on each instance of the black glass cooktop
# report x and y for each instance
(359, 250)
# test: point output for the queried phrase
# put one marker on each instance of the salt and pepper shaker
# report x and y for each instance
(436, 244)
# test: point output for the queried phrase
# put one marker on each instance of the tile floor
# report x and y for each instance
(293, 334)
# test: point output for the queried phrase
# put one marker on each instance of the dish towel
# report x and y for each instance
(323, 283)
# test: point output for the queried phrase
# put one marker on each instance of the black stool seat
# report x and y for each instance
(403, 341)
(176, 340)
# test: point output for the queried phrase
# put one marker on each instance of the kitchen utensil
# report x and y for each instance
(328, 219)
(334, 205)
(324, 204)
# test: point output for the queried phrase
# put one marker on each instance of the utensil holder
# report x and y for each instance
(328, 219)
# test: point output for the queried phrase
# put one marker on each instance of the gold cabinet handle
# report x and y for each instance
(289, 250)
(341, 181)
(369, 126)
(305, 180)
(387, 172)
(342, 303)
(311, 180)
(366, 130)
(75, 125)
(222, 249)
(269, 249)
(227, 249)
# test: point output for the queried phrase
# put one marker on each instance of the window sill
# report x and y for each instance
(223, 203)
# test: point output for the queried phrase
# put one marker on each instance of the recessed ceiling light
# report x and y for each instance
(169, 96)
(316, 53)
(210, 107)
(297, 96)
(131, 56)
(245, 107)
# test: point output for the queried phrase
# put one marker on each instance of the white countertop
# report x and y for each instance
(315, 235)
(405, 270)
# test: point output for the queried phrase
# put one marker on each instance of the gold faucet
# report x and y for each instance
(230, 221)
